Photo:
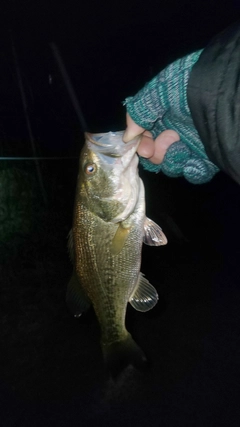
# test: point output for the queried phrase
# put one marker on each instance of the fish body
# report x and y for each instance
(109, 227)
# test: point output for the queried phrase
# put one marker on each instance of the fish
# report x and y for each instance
(105, 244)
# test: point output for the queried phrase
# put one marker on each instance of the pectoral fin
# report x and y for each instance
(153, 234)
(76, 299)
(144, 296)
(119, 239)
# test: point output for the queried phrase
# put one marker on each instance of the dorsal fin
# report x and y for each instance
(76, 299)
(70, 245)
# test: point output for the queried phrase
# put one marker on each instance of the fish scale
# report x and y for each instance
(116, 275)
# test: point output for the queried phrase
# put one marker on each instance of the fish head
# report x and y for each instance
(109, 180)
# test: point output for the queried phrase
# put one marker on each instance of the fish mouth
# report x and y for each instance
(110, 143)
(95, 138)
(119, 160)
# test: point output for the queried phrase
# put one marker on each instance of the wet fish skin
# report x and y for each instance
(109, 227)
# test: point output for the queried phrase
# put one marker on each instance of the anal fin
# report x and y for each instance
(145, 296)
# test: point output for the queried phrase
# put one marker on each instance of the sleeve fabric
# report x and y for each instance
(162, 104)
(214, 100)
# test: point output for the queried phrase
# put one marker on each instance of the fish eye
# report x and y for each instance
(90, 169)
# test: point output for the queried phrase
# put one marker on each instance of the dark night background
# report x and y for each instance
(52, 371)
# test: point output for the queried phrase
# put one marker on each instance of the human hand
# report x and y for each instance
(153, 150)
(170, 142)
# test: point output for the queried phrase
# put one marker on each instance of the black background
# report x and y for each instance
(51, 364)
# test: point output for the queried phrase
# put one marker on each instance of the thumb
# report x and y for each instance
(132, 130)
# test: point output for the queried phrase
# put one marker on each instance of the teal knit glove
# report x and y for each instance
(162, 104)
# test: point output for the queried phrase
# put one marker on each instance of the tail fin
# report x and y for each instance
(121, 354)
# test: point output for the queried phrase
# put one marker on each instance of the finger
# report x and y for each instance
(162, 142)
(148, 133)
(132, 130)
(147, 146)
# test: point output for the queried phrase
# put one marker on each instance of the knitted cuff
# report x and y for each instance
(179, 160)
(167, 92)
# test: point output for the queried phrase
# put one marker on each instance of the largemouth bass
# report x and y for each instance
(109, 227)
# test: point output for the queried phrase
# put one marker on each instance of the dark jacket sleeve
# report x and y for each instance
(214, 100)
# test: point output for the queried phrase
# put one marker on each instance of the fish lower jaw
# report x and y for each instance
(130, 161)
